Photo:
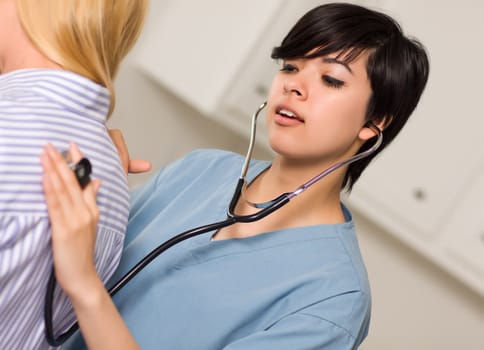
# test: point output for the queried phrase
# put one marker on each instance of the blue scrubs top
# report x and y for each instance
(298, 288)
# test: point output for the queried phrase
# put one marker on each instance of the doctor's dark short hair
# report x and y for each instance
(398, 66)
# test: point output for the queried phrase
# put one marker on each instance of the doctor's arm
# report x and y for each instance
(74, 215)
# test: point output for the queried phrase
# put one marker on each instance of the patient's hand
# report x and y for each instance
(133, 166)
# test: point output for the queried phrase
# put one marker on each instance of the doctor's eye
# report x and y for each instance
(333, 82)
(287, 67)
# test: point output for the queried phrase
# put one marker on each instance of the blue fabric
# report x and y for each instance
(300, 288)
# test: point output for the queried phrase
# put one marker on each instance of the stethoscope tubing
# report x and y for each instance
(232, 218)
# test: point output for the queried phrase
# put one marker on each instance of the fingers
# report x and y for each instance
(64, 197)
(74, 216)
(137, 166)
(133, 166)
(89, 195)
(120, 144)
(51, 183)
(75, 152)
(62, 176)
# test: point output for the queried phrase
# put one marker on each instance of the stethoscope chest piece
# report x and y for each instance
(82, 169)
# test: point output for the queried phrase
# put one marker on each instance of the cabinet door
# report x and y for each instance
(415, 185)
(463, 237)
(196, 48)
(424, 188)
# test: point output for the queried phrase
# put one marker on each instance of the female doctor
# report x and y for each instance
(293, 280)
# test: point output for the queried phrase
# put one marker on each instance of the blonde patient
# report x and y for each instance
(58, 62)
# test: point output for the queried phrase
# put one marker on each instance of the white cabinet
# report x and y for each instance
(215, 54)
(416, 188)
(418, 181)
(463, 237)
(199, 49)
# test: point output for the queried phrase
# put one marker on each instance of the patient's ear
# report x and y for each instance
(367, 133)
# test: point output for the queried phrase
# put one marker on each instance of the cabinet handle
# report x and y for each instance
(419, 194)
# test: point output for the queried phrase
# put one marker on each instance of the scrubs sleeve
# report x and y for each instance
(298, 332)
(320, 326)
(147, 200)
(141, 194)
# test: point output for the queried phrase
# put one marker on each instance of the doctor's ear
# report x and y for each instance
(367, 132)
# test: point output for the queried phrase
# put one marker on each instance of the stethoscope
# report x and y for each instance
(82, 171)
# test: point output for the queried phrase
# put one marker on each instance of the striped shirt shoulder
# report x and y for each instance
(38, 106)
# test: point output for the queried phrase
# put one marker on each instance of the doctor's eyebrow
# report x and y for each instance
(335, 60)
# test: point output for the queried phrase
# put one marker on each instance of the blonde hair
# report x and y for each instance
(87, 37)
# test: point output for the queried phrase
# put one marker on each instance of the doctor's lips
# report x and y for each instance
(286, 113)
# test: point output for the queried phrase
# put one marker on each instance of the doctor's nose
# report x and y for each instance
(294, 87)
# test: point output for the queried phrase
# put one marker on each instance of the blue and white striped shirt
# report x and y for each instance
(39, 106)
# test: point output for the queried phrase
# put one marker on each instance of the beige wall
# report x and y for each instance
(416, 305)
